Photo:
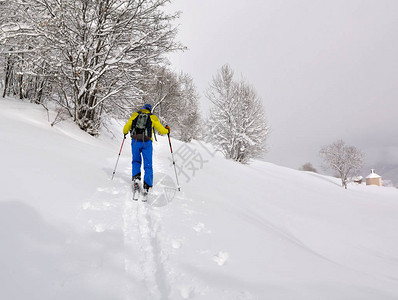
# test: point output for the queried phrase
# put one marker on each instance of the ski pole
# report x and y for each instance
(113, 174)
(174, 162)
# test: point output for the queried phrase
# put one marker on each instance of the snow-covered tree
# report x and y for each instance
(237, 123)
(345, 160)
(95, 51)
(175, 101)
(189, 119)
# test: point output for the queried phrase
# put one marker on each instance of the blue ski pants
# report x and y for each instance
(142, 151)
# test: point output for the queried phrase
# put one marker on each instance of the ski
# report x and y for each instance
(144, 196)
(136, 190)
(139, 192)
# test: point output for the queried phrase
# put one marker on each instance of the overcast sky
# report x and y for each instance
(324, 69)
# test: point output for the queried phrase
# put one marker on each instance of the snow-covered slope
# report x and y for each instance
(233, 232)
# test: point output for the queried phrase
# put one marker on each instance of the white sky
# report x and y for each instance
(324, 69)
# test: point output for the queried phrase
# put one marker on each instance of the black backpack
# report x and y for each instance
(142, 127)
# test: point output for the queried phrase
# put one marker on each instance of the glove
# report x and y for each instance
(168, 128)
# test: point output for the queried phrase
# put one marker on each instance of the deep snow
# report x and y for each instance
(255, 231)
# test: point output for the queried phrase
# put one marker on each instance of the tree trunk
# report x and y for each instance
(7, 77)
(20, 81)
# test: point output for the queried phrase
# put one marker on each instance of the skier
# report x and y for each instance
(140, 125)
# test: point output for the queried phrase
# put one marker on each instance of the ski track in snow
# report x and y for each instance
(148, 272)
(110, 208)
(147, 249)
(145, 261)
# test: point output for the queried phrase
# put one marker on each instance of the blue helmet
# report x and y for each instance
(148, 107)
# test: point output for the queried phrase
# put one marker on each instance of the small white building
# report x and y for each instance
(373, 179)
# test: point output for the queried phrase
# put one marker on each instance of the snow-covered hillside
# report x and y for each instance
(233, 232)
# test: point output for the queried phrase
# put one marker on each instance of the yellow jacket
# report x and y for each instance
(155, 123)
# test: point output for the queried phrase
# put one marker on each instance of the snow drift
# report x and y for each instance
(255, 231)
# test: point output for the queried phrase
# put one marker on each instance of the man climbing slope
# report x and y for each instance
(140, 125)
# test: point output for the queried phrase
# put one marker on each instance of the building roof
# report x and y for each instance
(373, 174)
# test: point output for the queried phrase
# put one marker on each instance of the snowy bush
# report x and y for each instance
(308, 167)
